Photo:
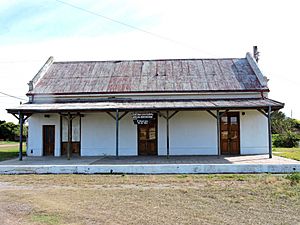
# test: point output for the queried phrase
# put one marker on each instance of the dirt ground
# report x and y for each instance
(159, 199)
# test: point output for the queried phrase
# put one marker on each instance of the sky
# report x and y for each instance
(31, 31)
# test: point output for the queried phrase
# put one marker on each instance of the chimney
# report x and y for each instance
(255, 53)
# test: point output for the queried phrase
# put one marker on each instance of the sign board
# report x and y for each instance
(142, 117)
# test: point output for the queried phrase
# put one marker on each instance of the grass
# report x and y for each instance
(153, 199)
(45, 219)
(8, 142)
(10, 152)
(294, 178)
(291, 153)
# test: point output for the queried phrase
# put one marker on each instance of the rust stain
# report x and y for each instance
(149, 75)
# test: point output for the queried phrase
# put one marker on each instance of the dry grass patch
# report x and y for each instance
(159, 199)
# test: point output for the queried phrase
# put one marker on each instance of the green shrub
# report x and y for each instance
(274, 138)
(287, 140)
(294, 178)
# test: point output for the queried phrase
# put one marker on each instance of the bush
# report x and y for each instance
(274, 139)
(297, 124)
(294, 178)
(287, 140)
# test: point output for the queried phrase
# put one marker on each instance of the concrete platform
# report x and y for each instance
(150, 165)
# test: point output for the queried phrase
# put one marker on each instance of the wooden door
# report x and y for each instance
(147, 138)
(230, 134)
(48, 139)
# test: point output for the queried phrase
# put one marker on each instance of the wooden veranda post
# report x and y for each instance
(218, 133)
(168, 137)
(270, 132)
(268, 115)
(117, 133)
(117, 118)
(21, 120)
(69, 137)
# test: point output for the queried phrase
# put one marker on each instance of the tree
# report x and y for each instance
(285, 128)
(10, 131)
(278, 122)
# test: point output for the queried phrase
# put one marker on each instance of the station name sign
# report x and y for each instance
(142, 117)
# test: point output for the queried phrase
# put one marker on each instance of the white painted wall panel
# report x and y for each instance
(99, 135)
(35, 133)
(254, 133)
(128, 136)
(191, 133)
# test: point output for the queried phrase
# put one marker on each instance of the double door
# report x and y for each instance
(230, 133)
(147, 138)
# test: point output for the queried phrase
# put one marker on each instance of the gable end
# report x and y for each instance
(255, 68)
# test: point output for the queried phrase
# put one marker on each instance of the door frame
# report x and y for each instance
(156, 136)
(43, 136)
(237, 114)
(61, 138)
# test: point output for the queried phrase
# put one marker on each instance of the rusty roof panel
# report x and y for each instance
(148, 76)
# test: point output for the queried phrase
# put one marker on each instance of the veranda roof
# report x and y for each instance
(212, 104)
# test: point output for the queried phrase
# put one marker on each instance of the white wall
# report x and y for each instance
(35, 133)
(253, 132)
(191, 133)
(98, 135)
(128, 136)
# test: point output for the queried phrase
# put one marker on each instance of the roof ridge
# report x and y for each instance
(143, 60)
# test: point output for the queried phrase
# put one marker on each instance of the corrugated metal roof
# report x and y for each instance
(174, 75)
(150, 105)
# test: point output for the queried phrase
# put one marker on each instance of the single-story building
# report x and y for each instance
(148, 107)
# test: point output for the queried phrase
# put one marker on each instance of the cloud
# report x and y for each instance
(32, 21)
(206, 29)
